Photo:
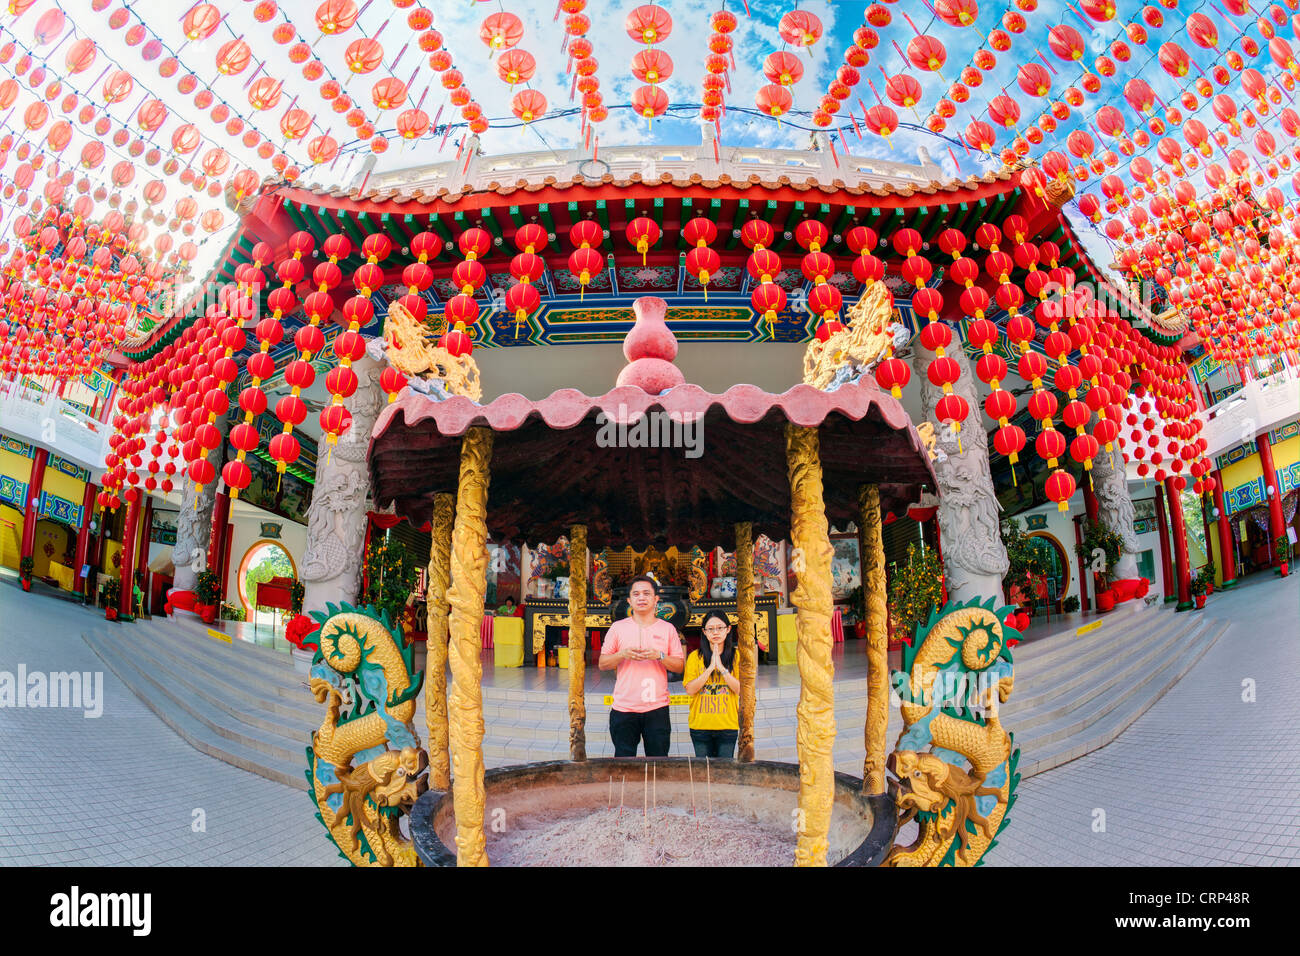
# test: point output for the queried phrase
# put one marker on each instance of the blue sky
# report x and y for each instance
(756, 36)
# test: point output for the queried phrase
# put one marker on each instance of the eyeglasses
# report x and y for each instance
(717, 629)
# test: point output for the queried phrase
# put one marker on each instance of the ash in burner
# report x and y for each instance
(665, 836)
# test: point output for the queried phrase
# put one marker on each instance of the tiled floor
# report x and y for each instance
(1203, 778)
(123, 789)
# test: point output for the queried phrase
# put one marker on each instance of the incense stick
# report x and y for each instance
(621, 791)
(691, 772)
(654, 787)
(610, 802)
(708, 774)
(645, 795)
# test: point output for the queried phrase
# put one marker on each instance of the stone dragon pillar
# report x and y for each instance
(815, 731)
(1115, 508)
(336, 519)
(974, 559)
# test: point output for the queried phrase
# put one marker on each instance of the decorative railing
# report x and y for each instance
(46, 419)
(1258, 406)
(652, 163)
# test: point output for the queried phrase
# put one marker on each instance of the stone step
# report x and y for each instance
(1074, 688)
(254, 702)
(1049, 755)
(1089, 658)
(249, 659)
(284, 690)
(1045, 652)
(1139, 692)
(200, 736)
(285, 746)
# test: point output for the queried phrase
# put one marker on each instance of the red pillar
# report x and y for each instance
(1090, 500)
(130, 530)
(146, 534)
(1206, 506)
(226, 542)
(35, 480)
(217, 538)
(1227, 552)
(1179, 528)
(79, 558)
(1166, 567)
(1084, 604)
(1276, 523)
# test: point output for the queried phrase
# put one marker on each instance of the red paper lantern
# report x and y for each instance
(1060, 487)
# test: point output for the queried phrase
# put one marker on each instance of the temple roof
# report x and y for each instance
(558, 461)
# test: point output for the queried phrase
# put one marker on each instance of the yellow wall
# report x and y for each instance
(1241, 473)
(111, 548)
(1286, 453)
(11, 536)
(63, 486)
(15, 466)
(59, 537)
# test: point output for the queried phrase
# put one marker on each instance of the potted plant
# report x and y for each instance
(558, 575)
(297, 594)
(1097, 537)
(390, 577)
(915, 591)
(855, 613)
(229, 612)
(205, 590)
(1209, 571)
(1025, 565)
(112, 593)
(1197, 588)
(1071, 604)
(26, 566)
(1283, 548)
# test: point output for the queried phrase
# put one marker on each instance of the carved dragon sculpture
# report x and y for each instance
(961, 788)
(862, 342)
(413, 352)
(367, 680)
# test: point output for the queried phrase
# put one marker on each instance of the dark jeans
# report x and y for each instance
(715, 743)
(628, 730)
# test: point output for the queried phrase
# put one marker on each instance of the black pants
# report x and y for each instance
(628, 730)
(715, 743)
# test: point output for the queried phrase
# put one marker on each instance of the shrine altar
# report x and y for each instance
(541, 614)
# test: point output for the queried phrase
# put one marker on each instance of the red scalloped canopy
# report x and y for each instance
(551, 468)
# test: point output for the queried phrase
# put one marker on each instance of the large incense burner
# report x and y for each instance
(675, 811)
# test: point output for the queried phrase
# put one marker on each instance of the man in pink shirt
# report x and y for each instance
(643, 648)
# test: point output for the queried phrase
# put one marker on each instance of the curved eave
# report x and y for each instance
(550, 190)
(738, 475)
(283, 209)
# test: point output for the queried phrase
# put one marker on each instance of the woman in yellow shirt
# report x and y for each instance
(715, 706)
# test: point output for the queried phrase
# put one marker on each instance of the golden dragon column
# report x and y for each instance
(815, 733)
(577, 642)
(435, 680)
(873, 593)
(469, 559)
(747, 653)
